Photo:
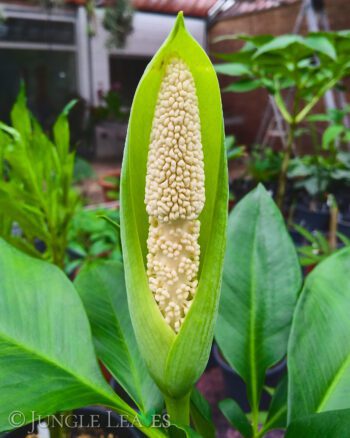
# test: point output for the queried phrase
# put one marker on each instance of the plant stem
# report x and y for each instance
(284, 167)
(333, 224)
(255, 420)
(58, 430)
(178, 410)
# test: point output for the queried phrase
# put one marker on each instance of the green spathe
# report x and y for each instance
(175, 361)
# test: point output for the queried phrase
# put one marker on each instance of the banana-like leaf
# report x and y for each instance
(332, 424)
(236, 417)
(102, 289)
(175, 361)
(319, 350)
(261, 281)
(47, 359)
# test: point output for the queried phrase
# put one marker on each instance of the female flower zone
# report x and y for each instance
(173, 215)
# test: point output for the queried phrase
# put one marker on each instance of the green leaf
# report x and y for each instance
(321, 44)
(175, 360)
(78, 249)
(71, 266)
(322, 243)
(236, 417)
(102, 290)
(109, 220)
(330, 135)
(61, 131)
(261, 281)
(318, 118)
(177, 431)
(305, 233)
(47, 359)
(332, 424)
(201, 415)
(277, 415)
(344, 239)
(321, 329)
(243, 85)
(20, 116)
(232, 69)
(278, 43)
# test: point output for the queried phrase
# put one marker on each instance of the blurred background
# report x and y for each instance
(97, 50)
(283, 67)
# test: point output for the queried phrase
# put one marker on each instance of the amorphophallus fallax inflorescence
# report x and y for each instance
(173, 215)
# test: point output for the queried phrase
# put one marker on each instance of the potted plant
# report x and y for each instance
(110, 184)
(235, 387)
(295, 70)
(93, 235)
(325, 172)
(264, 166)
(36, 183)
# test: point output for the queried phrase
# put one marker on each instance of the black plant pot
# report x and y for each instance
(236, 388)
(99, 420)
(297, 238)
(312, 219)
(109, 422)
(240, 187)
(344, 227)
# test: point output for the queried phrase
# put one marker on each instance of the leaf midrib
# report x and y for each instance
(252, 325)
(57, 365)
(334, 381)
(128, 352)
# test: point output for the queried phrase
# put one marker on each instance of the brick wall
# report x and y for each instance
(247, 108)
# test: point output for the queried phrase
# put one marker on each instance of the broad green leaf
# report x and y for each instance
(319, 348)
(102, 289)
(236, 417)
(321, 44)
(201, 415)
(232, 69)
(332, 424)
(47, 359)
(278, 43)
(261, 281)
(175, 361)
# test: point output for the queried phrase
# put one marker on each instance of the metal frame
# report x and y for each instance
(53, 15)
(35, 13)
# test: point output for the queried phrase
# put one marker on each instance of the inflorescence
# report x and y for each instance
(175, 194)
